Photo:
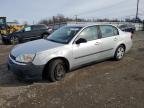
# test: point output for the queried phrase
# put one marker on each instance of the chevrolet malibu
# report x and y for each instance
(68, 48)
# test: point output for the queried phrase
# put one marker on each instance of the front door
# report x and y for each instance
(88, 51)
(26, 34)
(37, 31)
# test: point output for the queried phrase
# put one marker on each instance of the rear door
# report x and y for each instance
(109, 39)
(37, 31)
(89, 51)
(26, 34)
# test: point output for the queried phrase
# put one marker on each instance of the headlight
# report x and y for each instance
(26, 58)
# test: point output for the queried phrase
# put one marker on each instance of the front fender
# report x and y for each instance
(44, 57)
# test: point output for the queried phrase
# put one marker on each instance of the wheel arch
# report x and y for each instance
(119, 44)
(123, 46)
(62, 58)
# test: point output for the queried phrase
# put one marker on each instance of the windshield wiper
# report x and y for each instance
(56, 41)
(52, 40)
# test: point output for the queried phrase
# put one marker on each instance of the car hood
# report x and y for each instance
(34, 47)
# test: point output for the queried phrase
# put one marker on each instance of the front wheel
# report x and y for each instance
(120, 51)
(14, 40)
(56, 70)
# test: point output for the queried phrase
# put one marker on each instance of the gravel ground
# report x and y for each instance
(109, 84)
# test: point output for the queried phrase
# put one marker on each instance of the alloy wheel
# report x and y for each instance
(59, 71)
(120, 52)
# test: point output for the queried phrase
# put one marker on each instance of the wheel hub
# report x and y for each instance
(59, 71)
(120, 52)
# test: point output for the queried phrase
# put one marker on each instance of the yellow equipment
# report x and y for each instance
(6, 29)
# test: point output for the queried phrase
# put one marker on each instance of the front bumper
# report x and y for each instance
(25, 72)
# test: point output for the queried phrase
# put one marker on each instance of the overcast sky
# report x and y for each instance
(35, 10)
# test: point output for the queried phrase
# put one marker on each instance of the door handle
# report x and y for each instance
(115, 39)
(97, 43)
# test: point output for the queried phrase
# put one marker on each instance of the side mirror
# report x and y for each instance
(81, 40)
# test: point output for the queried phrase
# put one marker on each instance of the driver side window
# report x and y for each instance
(27, 29)
(89, 33)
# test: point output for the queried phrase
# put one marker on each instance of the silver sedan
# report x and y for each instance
(68, 48)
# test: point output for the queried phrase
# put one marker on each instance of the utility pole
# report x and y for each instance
(76, 18)
(33, 22)
(54, 20)
(137, 11)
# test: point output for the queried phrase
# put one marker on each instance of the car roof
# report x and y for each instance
(87, 24)
(38, 25)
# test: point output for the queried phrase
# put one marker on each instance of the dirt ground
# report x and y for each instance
(109, 84)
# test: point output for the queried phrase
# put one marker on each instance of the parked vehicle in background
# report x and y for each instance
(67, 48)
(127, 28)
(28, 33)
(54, 27)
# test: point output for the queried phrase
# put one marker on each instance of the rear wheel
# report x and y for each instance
(56, 70)
(45, 35)
(120, 51)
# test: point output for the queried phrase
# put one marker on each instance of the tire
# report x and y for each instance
(133, 32)
(56, 70)
(14, 40)
(119, 53)
(45, 35)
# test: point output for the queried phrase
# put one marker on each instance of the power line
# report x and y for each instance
(103, 8)
(114, 5)
(108, 7)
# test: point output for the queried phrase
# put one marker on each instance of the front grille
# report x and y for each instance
(13, 57)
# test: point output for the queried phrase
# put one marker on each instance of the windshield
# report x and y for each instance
(64, 34)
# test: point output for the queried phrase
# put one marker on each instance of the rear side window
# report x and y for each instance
(122, 26)
(89, 33)
(39, 27)
(36, 28)
(108, 31)
(43, 27)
